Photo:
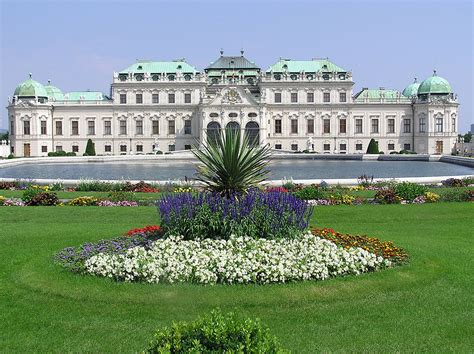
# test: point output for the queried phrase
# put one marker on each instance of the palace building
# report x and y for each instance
(294, 105)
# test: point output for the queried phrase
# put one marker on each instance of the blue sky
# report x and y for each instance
(79, 44)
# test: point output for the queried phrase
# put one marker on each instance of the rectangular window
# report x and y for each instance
(187, 147)
(107, 127)
(277, 146)
(43, 127)
(407, 147)
(123, 148)
(277, 97)
(171, 147)
(155, 98)
(75, 148)
(294, 147)
(139, 127)
(26, 127)
(310, 126)
(44, 148)
(155, 127)
(375, 126)
(171, 128)
(187, 98)
(277, 126)
(326, 147)
(310, 97)
(453, 124)
(12, 128)
(294, 97)
(358, 126)
(439, 125)
(75, 127)
(406, 125)
(123, 98)
(139, 148)
(342, 126)
(342, 147)
(187, 126)
(123, 127)
(326, 97)
(108, 148)
(358, 147)
(422, 125)
(171, 98)
(90, 127)
(342, 97)
(391, 146)
(294, 126)
(139, 98)
(59, 127)
(391, 125)
(59, 148)
(326, 126)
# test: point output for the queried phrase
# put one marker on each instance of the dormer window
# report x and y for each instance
(123, 77)
(179, 67)
(139, 67)
(325, 77)
(310, 76)
(285, 66)
(277, 77)
(139, 77)
(155, 77)
(293, 77)
(325, 67)
(171, 77)
(187, 77)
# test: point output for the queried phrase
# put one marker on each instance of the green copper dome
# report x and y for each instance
(54, 94)
(30, 88)
(411, 90)
(434, 85)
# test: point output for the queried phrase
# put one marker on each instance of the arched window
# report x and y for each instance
(252, 131)
(233, 126)
(213, 131)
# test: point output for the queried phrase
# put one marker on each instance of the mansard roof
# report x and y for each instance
(232, 62)
(158, 67)
(308, 66)
(378, 94)
(85, 96)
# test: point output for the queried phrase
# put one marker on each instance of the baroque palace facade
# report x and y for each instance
(293, 106)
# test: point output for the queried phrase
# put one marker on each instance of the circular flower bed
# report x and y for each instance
(236, 260)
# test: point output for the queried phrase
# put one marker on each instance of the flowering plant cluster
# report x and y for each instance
(121, 203)
(276, 189)
(140, 187)
(83, 201)
(255, 214)
(385, 249)
(10, 202)
(149, 230)
(182, 189)
(235, 260)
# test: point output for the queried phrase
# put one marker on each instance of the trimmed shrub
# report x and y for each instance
(90, 148)
(373, 147)
(57, 153)
(310, 193)
(43, 199)
(256, 214)
(10, 156)
(409, 191)
(120, 196)
(98, 186)
(215, 333)
(386, 196)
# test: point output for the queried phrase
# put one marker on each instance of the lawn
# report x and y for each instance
(423, 306)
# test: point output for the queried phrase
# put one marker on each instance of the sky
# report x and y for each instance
(79, 44)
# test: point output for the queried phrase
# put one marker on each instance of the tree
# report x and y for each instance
(4, 136)
(90, 148)
(231, 164)
(468, 137)
(373, 147)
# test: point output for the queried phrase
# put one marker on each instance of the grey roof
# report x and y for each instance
(237, 62)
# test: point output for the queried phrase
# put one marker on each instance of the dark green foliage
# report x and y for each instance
(373, 147)
(407, 152)
(57, 153)
(215, 333)
(71, 154)
(409, 191)
(468, 137)
(118, 196)
(231, 164)
(90, 148)
(98, 186)
(310, 192)
(39, 197)
(386, 196)
(11, 156)
(9, 185)
(455, 194)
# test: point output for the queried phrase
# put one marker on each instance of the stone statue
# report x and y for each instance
(309, 144)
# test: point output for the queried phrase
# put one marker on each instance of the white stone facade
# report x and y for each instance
(151, 113)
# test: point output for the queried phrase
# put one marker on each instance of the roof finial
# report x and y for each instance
(416, 80)
(30, 74)
(242, 51)
(222, 52)
(49, 82)
(434, 72)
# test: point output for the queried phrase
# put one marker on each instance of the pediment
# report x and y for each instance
(233, 95)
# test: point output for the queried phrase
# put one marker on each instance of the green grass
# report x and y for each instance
(423, 306)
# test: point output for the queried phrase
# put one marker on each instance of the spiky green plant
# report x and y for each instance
(230, 164)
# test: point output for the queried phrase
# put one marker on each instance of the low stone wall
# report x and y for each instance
(458, 160)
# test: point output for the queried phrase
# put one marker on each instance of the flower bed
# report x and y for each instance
(236, 260)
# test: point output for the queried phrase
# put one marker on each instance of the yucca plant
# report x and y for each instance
(230, 164)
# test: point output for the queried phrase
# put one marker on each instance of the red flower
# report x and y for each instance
(147, 230)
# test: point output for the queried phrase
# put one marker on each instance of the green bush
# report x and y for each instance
(373, 147)
(90, 148)
(409, 191)
(386, 196)
(39, 197)
(98, 186)
(10, 156)
(119, 196)
(310, 193)
(215, 333)
(454, 194)
(57, 153)
(71, 154)
(407, 152)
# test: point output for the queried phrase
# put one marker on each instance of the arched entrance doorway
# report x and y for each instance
(213, 131)
(252, 131)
